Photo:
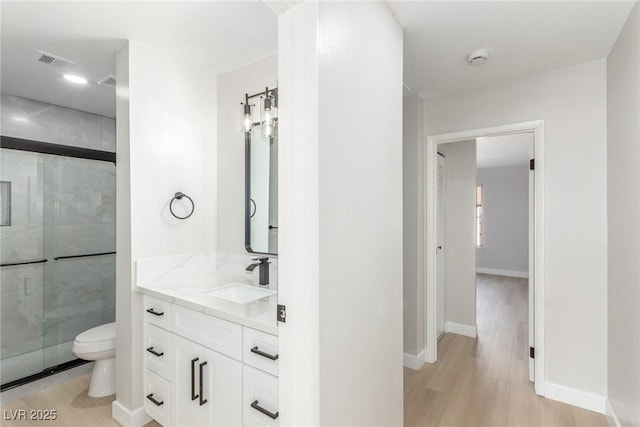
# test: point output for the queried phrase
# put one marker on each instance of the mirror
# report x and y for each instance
(261, 190)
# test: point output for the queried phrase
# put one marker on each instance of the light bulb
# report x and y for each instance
(247, 122)
(268, 117)
(247, 118)
(268, 114)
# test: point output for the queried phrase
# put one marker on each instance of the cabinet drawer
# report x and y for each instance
(260, 398)
(157, 312)
(156, 398)
(217, 334)
(157, 350)
(259, 349)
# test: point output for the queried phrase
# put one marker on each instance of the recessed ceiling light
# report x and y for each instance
(20, 119)
(478, 57)
(75, 79)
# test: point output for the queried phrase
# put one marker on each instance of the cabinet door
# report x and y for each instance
(207, 386)
(189, 410)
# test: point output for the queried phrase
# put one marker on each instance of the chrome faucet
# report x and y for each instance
(264, 269)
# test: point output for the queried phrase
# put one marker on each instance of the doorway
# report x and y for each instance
(436, 252)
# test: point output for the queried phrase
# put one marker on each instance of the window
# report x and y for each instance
(479, 239)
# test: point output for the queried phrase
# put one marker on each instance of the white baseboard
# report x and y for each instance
(498, 272)
(612, 417)
(413, 362)
(126, 418)
(574, 397)
(460, 329)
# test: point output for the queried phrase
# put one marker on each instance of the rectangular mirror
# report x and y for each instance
(261, 188)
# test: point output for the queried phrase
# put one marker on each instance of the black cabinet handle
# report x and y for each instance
(259, 408)
(263, 354)
(155, 402)
(202, 399)
(194, 396)
(155, 353)
(155, 313)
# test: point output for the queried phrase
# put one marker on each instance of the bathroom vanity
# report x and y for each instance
(210, 355)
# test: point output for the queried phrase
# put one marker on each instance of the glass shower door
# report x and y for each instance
(57, 234)
(79, 238)
(23, 258)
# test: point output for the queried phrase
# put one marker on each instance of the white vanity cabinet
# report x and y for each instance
(201, 370)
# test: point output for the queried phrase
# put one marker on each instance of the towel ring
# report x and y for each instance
(178, 196)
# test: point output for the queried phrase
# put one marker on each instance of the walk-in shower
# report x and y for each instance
(57, 234)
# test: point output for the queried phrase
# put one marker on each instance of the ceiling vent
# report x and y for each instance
(50, 59)
(110, 80)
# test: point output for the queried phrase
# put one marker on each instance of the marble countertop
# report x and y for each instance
(260, 314)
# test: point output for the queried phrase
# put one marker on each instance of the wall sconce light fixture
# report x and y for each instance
(247, 119)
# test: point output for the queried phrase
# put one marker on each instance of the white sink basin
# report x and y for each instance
(240, 293)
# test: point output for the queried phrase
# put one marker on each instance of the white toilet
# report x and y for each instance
(99, 344)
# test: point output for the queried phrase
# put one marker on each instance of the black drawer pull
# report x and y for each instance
(259, 408)
(155, 353)
(194, 396)
(155, 313)
(155, 402)
(202, 399)
(263, 354)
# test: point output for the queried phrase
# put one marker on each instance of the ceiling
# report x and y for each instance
(220, 34)
(503, 150)
(22, 75)
(522, 38)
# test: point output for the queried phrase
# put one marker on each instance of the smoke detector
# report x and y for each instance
(51, 59)
(478, 57)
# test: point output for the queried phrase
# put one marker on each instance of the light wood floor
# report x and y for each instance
(484, 381)
(74, 408)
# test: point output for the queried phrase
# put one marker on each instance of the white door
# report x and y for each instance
(440, 248)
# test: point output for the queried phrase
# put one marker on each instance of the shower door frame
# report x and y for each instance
(39, 147)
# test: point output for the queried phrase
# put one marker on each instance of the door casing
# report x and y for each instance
(536, 238)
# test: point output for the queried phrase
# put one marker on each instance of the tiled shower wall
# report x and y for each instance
(60, 206)
(27, 119)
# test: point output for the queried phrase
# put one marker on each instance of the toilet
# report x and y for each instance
(99, 344)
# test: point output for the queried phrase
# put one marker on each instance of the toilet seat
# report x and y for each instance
(100, 338)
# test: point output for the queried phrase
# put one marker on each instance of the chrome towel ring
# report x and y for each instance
(178, 196)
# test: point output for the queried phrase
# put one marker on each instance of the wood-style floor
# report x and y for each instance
(73, 406)
(484, 381)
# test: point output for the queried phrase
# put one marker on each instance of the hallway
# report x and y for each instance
(483, 381)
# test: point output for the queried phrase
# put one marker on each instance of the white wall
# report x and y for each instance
(412, 210)
(460, 225)
(623, 184)
(572, 101)
(341, 214)
(232, 86)
(171, 146)
(360, 214)
(505, 219)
